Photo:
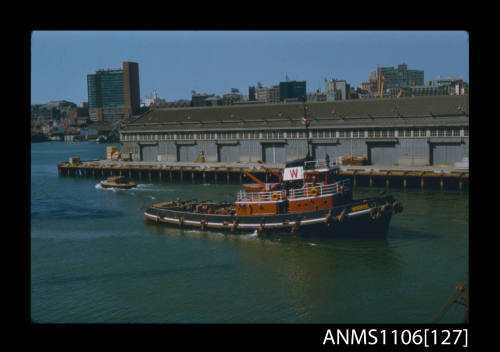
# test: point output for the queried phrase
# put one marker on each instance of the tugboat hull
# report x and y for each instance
(369, 217)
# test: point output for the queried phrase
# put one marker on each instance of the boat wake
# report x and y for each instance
(253, 234)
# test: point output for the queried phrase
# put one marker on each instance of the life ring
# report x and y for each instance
(341, 190)
(314, 192)
(275, 196)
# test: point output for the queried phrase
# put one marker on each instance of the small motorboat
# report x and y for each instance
(117, 182)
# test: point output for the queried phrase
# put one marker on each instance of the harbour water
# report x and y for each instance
(94, 259)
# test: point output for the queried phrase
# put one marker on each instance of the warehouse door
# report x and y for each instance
(274, 153)
(381, 154)
(187, 152)
(228, 153)
(320, 150)
(149, 152)
(445, 153)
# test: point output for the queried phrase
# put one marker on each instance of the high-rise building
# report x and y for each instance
(268, 95)
(292, 91)
(336, 89)
(401, 77)
(114, 93)
(251, 93)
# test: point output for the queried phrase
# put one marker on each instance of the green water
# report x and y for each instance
(95, 260)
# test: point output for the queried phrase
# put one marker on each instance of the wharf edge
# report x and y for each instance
(220, 173)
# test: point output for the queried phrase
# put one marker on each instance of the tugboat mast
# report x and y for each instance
(305, 122)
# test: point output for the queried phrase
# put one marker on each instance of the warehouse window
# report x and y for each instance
(449, 132)
(384, 133)
(376, 133)
(466, 132)
(390, 132)
(456, 132)
(440, 132)
(407, 132)
(433, 132)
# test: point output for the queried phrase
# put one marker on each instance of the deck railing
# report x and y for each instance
(261, 196)
(318, 164)
(304, 192)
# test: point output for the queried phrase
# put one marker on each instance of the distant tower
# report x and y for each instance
(113, 94)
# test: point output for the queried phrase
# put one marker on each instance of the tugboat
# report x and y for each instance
(117, 182)
(311, 197)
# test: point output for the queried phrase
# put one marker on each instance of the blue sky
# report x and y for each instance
(177, 62)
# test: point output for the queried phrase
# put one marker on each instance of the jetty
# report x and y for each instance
(440, 176)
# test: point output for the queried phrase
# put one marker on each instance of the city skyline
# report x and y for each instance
(174, 63)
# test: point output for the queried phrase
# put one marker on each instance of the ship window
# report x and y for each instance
(466, 132)
(440, 132)
(456, 132)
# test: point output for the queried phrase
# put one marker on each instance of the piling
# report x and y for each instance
(390, 176)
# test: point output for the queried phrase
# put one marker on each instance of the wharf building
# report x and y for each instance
(415, 131)
(113, 94)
